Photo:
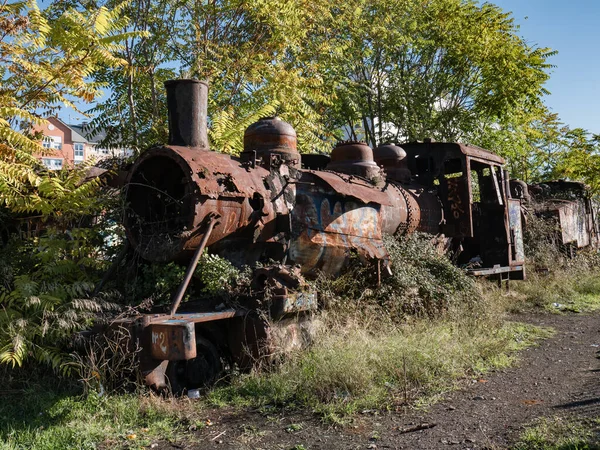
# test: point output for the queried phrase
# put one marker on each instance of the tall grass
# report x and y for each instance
(403, 343)
(351, 367)
(573, 285)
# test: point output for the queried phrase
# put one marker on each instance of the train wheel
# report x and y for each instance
(197, 373)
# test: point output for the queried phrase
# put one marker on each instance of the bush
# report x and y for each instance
(47, 295)
(156, 283)
(406, 341)
(423, 283)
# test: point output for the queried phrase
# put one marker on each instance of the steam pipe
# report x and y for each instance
(193, 264)
(187, 102)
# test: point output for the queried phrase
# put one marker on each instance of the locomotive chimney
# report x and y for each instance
(187, 105)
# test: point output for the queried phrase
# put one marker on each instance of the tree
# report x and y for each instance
(579, 159)
(44, 65)
(251, 57)
(46, 61)
(439, 69)
(529, 139)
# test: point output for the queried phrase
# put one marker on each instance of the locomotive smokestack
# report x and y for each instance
(187, 102)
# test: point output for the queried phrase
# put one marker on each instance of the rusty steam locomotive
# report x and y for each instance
(309, 213)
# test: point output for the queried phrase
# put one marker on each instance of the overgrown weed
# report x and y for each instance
(423, 283)
(556, 282)
(573, 286)
(558, 433)
(403, 343)
(351, 367)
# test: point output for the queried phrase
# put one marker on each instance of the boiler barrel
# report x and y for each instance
(337, 216)
(171, 191)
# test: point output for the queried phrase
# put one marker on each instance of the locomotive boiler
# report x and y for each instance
(299, 215)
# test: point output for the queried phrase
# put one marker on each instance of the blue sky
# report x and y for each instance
(572, 28)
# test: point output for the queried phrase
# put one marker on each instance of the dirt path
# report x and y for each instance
(558, 377)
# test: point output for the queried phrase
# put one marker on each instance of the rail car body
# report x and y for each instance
(309, 213)
(568, 206)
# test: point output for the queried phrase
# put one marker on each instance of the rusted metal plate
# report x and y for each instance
(516, 232)
(573, 224)
(218, 174)
(350, 186)
(480, 153)
(457, 208)
(196, 317)
(331, 227)
(172, 341)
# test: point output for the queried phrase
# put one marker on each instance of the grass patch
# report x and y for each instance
(351, 368)
(44, 417)
(561, 291)
(561, 434)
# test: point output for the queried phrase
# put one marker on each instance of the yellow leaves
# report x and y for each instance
(48, 64)
(103, 21)
(228, 129)
(14, 352)
(39, 25)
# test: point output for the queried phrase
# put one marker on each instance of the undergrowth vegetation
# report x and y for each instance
(423, 283)
(47, 294)
(556, 280)
(402, 343)
(351, 367)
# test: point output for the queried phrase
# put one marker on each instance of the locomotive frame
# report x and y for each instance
(309, 213)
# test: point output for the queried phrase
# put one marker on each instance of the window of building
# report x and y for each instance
(53, 142)
(56, 142)
(78, 151)
(53, 163)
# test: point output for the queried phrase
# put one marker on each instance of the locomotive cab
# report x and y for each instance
(481, 218)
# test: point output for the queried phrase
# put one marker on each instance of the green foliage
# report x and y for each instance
(46, 61)
(215, 277)
(43, 67)
(155, 282)
(408, 70)
(424, 282)
(216, 274)
(252, 59)
(574, 289)
(539, 147)
(48, 297)
(579, 159)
